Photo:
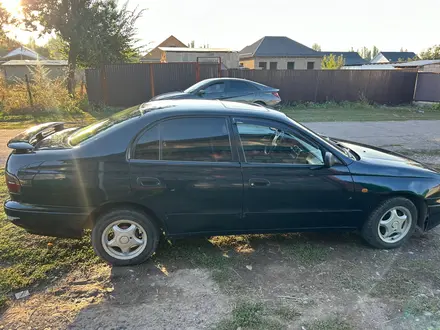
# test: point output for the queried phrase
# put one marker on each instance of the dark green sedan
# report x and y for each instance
(195, 167)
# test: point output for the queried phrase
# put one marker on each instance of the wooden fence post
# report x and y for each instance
(28, 87)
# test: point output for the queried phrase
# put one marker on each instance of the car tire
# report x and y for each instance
(391, 224)
(125, 237)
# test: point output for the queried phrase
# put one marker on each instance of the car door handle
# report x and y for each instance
(254, 183)
(148, 182)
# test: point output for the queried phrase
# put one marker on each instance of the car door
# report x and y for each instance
(214, 91)
(237, 90)
(286, 185)
(185, 170)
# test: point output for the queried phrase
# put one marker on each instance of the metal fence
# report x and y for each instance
(381, 86)
(134, 83)
(130, 84)
(427, 87)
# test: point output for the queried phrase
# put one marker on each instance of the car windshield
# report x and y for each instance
(195, 87)
(87, 132)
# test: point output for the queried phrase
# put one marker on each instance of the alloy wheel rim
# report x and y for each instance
(124, 239)
(394, 224)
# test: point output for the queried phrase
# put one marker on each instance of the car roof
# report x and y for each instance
(165, 108)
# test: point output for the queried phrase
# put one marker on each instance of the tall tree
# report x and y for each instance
(6, 20)
(316, 47)
(374, 52)
(57, 48)
(93, 31)
(432, 53)
(365, 53)
(191, 44)
(332, 62)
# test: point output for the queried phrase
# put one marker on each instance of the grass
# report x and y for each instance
(358, 111)
(28, 261)
(250, 315)
(335, 323)
(17, 121)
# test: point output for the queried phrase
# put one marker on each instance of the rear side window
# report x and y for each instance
(148, 145)
(240, 86)
(186, 139)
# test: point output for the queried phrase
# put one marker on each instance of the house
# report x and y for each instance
(420, 66)
(228, 57)
(350, 58)
(155, 54)
(18, 69)
(393, 57)
(22, 53)
(279, 53)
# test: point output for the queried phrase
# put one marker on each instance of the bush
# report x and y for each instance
(49, 96)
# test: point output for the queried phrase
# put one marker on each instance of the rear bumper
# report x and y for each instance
(433, 217)
(48, 220)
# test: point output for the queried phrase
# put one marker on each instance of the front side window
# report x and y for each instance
(186, 139)
(215, 88)
(267, 144)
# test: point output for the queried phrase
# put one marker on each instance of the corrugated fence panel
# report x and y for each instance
(208, 70)
(428, 87)
(169, 77)
(127, 84)
(93, 86)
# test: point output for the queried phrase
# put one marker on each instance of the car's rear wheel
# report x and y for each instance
(124, 237)
(391, 224)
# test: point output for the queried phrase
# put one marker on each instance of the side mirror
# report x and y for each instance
(329, 159)
(201, 92)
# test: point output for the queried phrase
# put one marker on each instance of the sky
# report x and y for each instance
(336, 25)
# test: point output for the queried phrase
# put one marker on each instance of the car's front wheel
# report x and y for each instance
(124, 237)
(391, 224)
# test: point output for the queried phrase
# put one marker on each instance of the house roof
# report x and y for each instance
(395, 56)
(277, 47)
(196, 50)
(416, 63)
(385, 66)
(23, 51)
(34, 62)
(350, 58)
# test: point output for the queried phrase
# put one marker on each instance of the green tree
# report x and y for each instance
(6, 21)
(191, 44)
(316, 47)
(374, 52)
(365, 53)
(41, 50)
(432, 53)
(332, 62)
(93, 32)
(57, 48)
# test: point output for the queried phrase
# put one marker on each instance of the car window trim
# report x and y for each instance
(291, 130)
(131, 149)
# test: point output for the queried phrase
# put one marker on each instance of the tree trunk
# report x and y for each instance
(71, 73)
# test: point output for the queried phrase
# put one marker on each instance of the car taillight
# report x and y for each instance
(276, 94)
(13, 183)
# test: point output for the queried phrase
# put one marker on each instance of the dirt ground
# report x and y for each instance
(296, 281)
